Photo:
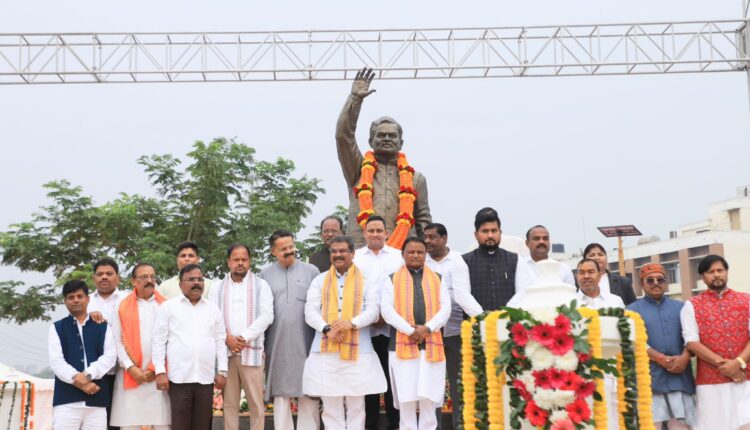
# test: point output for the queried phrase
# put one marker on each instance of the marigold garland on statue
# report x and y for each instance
(495, 379)
(407, 195)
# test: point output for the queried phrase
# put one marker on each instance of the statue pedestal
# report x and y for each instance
(550, 292)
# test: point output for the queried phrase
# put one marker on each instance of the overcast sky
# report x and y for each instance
(570, 153)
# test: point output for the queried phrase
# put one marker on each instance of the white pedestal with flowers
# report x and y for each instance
(554, 357)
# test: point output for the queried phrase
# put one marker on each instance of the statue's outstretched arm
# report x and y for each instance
(350, 156)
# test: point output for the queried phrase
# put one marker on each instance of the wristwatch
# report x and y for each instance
(354, 327)
(88, 376)
(326, 329)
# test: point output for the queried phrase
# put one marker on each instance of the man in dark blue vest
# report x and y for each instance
(80, 353)
(493, 271)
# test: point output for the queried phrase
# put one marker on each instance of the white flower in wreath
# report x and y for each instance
(541, 358)
(531, 347)
(578, 328)
(568, 361)
(550, 399)
(544, 315)
(528, 380)
(558, 415)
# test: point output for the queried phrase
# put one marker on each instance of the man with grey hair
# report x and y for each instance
(386, 140)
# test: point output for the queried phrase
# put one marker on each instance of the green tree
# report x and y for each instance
(224, 195)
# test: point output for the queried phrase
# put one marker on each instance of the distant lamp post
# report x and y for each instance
(619, 231)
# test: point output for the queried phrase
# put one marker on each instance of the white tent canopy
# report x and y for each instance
(10, 406)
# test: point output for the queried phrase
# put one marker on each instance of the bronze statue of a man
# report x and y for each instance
(385, 140)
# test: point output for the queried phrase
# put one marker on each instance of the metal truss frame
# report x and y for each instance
(439, 53)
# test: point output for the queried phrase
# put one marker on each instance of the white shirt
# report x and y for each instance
(604, 283)
(171, 287)
(313, 306)
(377, 267)
(603, 300)
(65, 372)
(191, 338)
(106, 306)
(398, 322)
(455, 276)
(237, 301)
(531, 276)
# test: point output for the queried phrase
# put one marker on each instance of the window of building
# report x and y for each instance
(673, 272)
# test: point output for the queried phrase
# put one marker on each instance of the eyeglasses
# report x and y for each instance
(655, 281)
(195, 279)
(144, 278)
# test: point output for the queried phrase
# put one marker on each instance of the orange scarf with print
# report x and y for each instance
(131, 333)
(351, 306)
(403, 298)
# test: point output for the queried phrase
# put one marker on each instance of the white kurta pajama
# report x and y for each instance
(605, 300)
(143, 405)
(342, 384)
(416, 381)
(720, 406)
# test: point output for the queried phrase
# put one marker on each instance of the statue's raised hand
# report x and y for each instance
(361, 84)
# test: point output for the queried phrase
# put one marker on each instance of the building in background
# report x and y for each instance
(726, 232)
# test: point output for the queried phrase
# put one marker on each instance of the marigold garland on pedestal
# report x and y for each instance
(495, 379)
(407, 195)
(621, 407)
(643, 373)
(468, 379)
(595, 341)
(551, 368)
(479, 368)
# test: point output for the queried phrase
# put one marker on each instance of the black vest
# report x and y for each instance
(73, 350)
(492, 276)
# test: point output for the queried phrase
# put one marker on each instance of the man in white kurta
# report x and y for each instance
(417, 359)
(591, 296)
(378, 260)
(341, 374)
(246, 304)
(135, 386)
(289, 338)
(454, 274)
(716, 328)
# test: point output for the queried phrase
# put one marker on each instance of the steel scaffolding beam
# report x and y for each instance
(438, 53)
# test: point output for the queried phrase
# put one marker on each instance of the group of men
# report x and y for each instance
(357, 324)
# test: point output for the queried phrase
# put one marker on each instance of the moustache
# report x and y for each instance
(290, 253)
(196, 287)
(338, 258)
(541, 246)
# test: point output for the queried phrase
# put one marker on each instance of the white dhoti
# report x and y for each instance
(417, 379)
(139, 406)
(326, 374)
(723, 406)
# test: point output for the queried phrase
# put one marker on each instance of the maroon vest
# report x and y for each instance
(723, 328)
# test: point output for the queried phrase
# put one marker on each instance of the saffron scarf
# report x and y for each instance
(130, 324)
(354, 285)
(403, 300)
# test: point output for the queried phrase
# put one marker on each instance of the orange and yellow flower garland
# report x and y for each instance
(467, 376)
(495, 382)
(595, 340)
(643, 373)
(621, 405)
(407, 195)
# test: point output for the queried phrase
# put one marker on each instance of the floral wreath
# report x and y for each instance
(554, 367)
(407, 195)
